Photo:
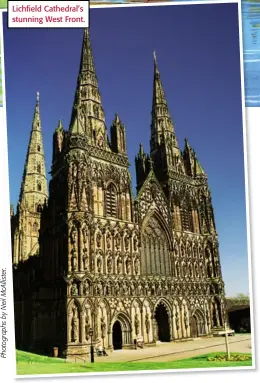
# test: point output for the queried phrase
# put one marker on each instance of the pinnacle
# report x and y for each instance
(60, 126)
(117, 119)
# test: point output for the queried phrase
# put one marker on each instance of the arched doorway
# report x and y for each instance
(194, 327)
(117, 336)
(163, 325)
(198, 326)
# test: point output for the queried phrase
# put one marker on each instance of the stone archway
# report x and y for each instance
(121, 331)
(163, 323)
(117, 336)
(198, 325)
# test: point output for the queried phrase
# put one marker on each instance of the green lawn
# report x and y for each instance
(3, 3)
(32, 364)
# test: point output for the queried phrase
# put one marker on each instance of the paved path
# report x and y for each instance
(165, 352)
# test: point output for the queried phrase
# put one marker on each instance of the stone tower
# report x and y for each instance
(118, 267)
(33, 194)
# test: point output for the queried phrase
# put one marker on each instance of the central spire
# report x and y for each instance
(88, 114)
(161, 127)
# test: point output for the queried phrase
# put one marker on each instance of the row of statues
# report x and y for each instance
(140, 288)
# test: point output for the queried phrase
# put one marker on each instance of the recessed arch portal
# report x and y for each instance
(117, 336)
(163, 323)
(121, 331)
(198, 325)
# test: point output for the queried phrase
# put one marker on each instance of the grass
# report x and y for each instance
(32, 364)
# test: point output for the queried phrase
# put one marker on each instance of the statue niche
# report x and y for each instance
(155, 252)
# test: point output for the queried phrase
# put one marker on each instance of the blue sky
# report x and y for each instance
(197, 48)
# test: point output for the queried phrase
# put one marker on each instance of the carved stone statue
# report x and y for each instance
(125, 289)
(119, 265)
(177, 322)
(135, 243)
(98, 239)
(74, 289)
(103, 328)
(99, 288)
(186, 322)
(126, 240)
(73, 235)
(117, 241)
(147, 323)
(87, 328)
(137, 266)
(117, 289)
(74, 328)
(109, 264)
(85, 259)
(132, 288)
(99, 265)
(137, 324)
(128, 266)
(84, 234)
(74, 262)
(108, 240)
(86, 289)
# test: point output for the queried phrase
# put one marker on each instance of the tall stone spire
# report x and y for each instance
(34, 183)
(88, 115)
(33, 195)
(164, 148)
(162, 128)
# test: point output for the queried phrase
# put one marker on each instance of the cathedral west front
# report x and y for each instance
(93, 262)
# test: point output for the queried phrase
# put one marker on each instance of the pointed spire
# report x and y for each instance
(87, 60)
(87, 117)
(158, 92)
(162, 129)
(34, 183)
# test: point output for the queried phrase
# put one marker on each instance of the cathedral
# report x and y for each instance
(92, 263)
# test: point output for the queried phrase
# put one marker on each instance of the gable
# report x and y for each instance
(152, 198)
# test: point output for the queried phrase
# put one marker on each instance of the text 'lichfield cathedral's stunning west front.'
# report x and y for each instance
(89, 257)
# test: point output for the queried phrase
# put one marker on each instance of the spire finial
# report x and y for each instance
(38, 97)
(154, 56)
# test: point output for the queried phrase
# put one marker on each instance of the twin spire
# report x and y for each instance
(34, 183)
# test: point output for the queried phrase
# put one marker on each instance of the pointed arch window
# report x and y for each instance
(38, 168)
(38, 148)
(186, 218)
(39, 186)
(111, 201)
